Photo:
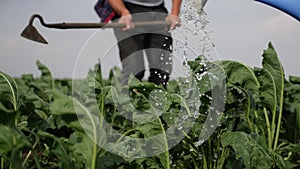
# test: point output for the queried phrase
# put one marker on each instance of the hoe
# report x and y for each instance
(31, 33)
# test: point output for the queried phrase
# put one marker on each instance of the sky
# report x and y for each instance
(241, 31)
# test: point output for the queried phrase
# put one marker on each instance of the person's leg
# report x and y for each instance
(131, 44)
(159, 55)
(131, 56)
(159, 49)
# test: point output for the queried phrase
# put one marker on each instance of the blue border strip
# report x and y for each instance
(291, 7)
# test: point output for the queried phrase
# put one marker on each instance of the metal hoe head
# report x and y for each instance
(31, 33)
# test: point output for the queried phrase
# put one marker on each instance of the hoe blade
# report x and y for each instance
(31, 33)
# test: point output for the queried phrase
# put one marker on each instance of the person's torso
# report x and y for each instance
(149, 3)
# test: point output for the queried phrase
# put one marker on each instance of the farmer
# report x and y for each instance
(154, 41)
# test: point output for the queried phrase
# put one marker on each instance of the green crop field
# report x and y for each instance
(60, 123)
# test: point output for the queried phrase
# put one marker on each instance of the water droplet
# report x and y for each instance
(180, 126)
(196, 115)
(198, 143)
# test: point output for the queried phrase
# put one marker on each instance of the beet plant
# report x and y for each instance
(95, 123)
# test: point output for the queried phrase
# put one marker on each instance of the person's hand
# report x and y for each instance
(127, 19)
(174, 20)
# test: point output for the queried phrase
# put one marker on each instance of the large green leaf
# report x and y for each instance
(247, 148)
(268, 99)
(272, 64)
(243, 90)
(8, 92)
(267, 89)
(240, 75)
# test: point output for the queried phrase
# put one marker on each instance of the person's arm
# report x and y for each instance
(173, 17)
(119, 7)
(176, 4)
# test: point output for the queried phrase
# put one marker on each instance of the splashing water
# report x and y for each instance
(199, 4)
(192, 40)
(193, 37)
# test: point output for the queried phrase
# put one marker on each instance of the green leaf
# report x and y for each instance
(83, 146)
(62, 104)
(272, 64)
(60, 149)
(292, 109)
(208, 74)
(46, 75)
(247, 148)
(280, 162)
(109, 160)
(8, 92)
(96, 74)
(87, 124)
(267, 89)
(63, 107)
(115, 77)
(241, 75)
(11, 141)
(294, 79)
(268, 100)
(198, 65)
